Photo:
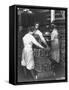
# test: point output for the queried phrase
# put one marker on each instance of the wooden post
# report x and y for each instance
(52, 15)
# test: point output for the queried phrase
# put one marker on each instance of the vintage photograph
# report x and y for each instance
(41, 44)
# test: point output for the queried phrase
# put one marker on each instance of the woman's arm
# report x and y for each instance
(36, 43)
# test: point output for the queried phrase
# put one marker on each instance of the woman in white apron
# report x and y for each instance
(55, 45)
(27, 53)
(40, 34)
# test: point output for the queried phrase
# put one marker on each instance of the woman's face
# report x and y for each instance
(36, 25)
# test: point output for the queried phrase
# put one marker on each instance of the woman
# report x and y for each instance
(55, 45)
(27, 53)
(39, 33)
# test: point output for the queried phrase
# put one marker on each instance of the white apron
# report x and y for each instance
(27, 53)
(55, 46)
(27, 58)
(55, 50)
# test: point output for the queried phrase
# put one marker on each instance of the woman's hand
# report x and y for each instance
(47, 48)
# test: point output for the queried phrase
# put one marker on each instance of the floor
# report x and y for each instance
(58, 73)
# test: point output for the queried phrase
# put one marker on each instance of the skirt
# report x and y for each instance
(27, 58)
(55, 54)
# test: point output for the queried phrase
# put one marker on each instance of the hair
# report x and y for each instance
(36, 23)
(31, 29)
(53, 24)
